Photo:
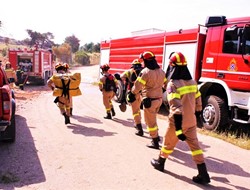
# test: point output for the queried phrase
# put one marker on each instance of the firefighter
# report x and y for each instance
(108, 86)
(130, 76)
(63, 101)
(185, 103)
(20, 78)
(11, 74)
(149, 83)
(66, 66)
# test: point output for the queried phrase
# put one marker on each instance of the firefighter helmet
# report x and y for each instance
(136, 62)
(7, 65)
(177, 59)
(147, 55)
(66, 66)
(105, 67)
(59, 66)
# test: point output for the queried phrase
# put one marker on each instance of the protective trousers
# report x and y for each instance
(107, 97)
(150, 116)
(136, 109)
(170, 141)
(64, 105)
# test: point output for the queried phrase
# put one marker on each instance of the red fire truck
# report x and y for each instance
(218, 55)
(35, 63)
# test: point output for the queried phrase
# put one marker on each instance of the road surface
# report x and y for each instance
(92, 153)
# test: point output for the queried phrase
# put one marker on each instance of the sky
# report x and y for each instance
(96, 20)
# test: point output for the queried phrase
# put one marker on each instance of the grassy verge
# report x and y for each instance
(242, 142)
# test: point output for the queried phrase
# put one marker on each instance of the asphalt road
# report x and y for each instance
(92, 153)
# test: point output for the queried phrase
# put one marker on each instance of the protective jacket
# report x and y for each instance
(150, 82)
(66, 84)
(11, 73)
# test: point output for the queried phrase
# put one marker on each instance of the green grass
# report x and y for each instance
(243, 141)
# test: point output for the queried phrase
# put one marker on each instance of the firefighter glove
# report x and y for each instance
(130, 97)
(52, 88)
(178, 128)
(199, 119)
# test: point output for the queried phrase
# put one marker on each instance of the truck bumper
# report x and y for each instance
(4, 125)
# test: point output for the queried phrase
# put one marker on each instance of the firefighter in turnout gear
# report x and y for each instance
(11, 74)
(149, 83)
(185, 103)
(64, 85)
(130, 76)
(107, 85)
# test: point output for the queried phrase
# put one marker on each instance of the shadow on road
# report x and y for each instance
(182, 155)
(20, 164)
(89, 131)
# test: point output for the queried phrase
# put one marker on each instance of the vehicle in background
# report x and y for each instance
(36, 64)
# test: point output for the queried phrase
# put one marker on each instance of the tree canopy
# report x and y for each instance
(74, 42)
(42, 40)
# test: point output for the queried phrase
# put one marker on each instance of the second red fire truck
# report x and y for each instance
(36, 63)
(218, 55)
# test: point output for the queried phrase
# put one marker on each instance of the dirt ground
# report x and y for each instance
(92, 153)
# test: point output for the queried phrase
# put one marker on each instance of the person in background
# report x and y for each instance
(11, 74)
(130, 76)
(185, 104)
(107, 85)
(149, 83)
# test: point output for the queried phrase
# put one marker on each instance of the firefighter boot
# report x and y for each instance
(158, 163)
(154, 143)
(67, 120)
(108, 116)
(113, 111)
(139, 130)
(202, 177)
(71, 111)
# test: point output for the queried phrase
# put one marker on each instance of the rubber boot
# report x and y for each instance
(154, 143)
(202, 177)
(139, 130)
(71, 111)
(67, 120)
(113, 111)
(108, 116)
(158, 163)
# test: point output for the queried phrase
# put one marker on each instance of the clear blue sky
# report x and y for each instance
(95, 20)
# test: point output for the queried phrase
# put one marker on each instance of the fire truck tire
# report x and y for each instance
(119, 92)
(215, 114)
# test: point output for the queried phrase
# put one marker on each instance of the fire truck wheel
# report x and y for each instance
(119, 92)
(215, 114)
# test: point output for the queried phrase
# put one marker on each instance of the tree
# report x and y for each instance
(74, 42)
(91, 47)
(43, 40)
(63, 52)
(82, 57)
